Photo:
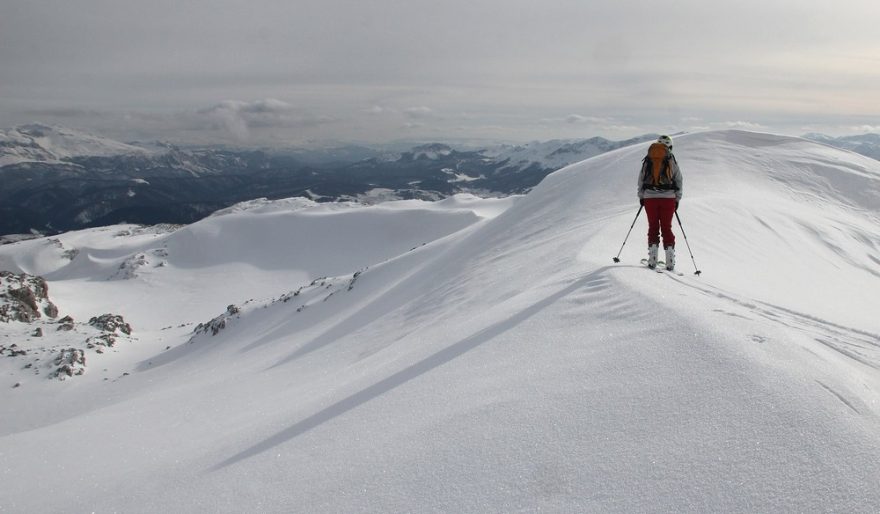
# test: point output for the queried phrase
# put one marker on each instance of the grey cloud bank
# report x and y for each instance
(276, 72)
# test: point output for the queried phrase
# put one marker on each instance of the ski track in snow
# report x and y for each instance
(859, 345)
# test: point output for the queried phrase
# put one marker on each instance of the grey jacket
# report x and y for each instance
(677, 180)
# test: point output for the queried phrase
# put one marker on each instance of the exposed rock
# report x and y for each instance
(111, 323)
(66, 323)
(105, 339)
(24, 298)
(354, 279)
(12, 351)
(38, 332)
(28, 310)
(217, 324)
(129, 267)
(71, 362)
(51, 310)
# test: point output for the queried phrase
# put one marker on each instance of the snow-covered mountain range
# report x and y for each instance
(467, 355)
(54, 179)
(57, 179)
(39, 143)
(54, 144)
(865, 144)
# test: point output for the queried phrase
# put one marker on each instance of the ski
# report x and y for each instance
(661, 268)
(657, 268)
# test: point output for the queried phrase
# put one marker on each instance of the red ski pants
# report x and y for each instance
(660, 212)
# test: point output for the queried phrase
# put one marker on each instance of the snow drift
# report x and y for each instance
(476, 355)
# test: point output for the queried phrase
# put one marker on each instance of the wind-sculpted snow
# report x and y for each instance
(481, 356)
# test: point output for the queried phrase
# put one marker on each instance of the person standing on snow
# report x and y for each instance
(660, 187)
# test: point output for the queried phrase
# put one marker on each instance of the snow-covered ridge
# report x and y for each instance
(473, 355)
(54, 144)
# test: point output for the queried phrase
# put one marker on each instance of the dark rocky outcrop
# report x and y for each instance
(65, 324)
(70, 362)
(24, 298)
(110, 323)
(217, 324)
(12, 351)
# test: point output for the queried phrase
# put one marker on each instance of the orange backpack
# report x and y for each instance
(658, 172)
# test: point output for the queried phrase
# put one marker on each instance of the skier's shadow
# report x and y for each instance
(405, 375)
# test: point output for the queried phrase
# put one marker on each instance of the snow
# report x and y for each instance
(431, 152)
(553, 154)
(474, 355)
(460, 177)
(54, 144)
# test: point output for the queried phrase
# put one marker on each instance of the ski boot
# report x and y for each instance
(670, 258)
(652, 256)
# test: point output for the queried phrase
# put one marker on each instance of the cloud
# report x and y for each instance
(420, 113)
(66, 112)
(568, 62)
(576, 119)
(866, 128)
(239, 118)
(227, 115)
(595, 120)
(744, 125)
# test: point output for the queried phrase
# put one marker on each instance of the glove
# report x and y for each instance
(676, 205)
(642, 202)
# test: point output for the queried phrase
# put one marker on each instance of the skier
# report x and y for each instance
(660, 187)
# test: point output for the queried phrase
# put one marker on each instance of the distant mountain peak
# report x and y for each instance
(865, 144)
(37, 142)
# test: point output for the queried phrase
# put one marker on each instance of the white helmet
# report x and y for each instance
(666, 140)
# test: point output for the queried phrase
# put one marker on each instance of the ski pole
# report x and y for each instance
(617, 259)
(688, 244)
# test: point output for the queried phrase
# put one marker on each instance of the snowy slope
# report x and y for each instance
(506, 365)
(171, 275)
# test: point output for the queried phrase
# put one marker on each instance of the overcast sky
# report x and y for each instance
(288, 71)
